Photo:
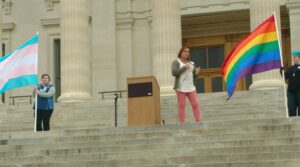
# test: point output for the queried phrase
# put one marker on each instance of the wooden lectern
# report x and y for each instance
(143, 101)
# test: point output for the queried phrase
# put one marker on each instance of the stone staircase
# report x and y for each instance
(250, 130)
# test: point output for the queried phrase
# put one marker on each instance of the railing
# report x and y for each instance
(113, 95)
(24, 98)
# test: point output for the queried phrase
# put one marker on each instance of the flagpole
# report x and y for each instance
(280, 51)
(35, 109)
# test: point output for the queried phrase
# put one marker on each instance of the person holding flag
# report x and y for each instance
(45, 103)
(19, 68)
(293, 92)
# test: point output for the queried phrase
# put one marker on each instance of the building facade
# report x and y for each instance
(89, 46)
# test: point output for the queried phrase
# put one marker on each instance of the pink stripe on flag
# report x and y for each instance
(23, 70)
(28, 60)
(19, 55)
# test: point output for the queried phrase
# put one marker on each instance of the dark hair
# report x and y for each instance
(45, 75)
(181, 50)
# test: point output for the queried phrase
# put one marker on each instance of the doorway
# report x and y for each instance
(57, 67)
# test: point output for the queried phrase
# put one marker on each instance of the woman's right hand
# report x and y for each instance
(35, 90)
(197, 71)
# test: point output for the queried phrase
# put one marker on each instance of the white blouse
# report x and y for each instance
(186, 83)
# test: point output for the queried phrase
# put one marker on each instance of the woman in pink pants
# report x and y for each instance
(184, 72)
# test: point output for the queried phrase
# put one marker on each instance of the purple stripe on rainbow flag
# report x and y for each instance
(258, 68)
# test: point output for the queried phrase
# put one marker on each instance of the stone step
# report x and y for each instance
(152, 144)
(78, 162)
(161, 158)
(233, 158)
(109, 116)
(172, 152)
(122, 119)
(273, 163)
(169, 152)
(206, 126)
(174, 137)
(249, 129)
(9, 165)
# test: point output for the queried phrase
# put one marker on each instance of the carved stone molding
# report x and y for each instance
(8, 26)
(50, 22)
(138, 9)
(126, 23)
(50, 4)
(6, 5)
(293, 6)
(204, 6)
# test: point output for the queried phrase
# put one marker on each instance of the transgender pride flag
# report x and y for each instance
(19, 68)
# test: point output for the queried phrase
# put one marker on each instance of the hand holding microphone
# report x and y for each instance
(188, 65)
(197, 70)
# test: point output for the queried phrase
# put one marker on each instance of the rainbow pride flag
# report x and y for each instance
(258, 52)
(19, 68)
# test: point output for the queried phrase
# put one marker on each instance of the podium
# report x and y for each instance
(143, 101)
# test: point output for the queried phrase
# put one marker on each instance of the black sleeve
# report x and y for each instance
(289, 73)
(280, 70)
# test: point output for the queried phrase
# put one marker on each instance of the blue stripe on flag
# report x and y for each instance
(20, 82)
(31, 41)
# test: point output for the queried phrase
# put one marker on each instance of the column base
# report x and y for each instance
(74, 97)
(266, 84)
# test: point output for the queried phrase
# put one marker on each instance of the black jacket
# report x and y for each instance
(293, 75)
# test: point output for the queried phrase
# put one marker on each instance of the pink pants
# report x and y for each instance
(192, 96)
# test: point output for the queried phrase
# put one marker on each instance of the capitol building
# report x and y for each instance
(90, 46)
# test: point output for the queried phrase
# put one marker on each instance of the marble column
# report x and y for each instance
(166, 41)
(259, 11)
(294, 13)
(75, 51)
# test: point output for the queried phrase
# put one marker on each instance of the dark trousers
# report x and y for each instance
(43, 120)
(293, 103)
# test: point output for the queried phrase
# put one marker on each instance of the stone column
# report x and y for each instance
(259, 11)
(75, 51)
(294, 13)
(166, 41)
